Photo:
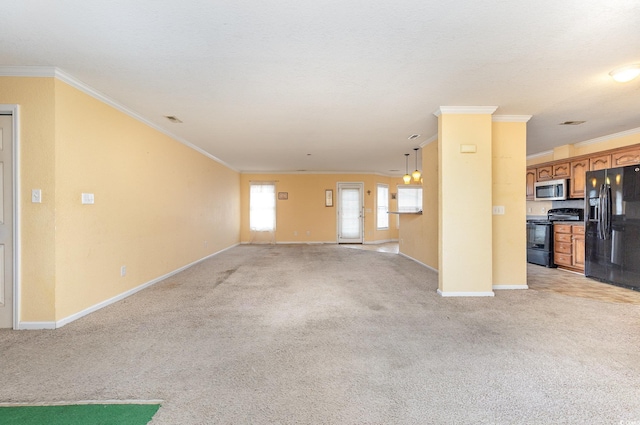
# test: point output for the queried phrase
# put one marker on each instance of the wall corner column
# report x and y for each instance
(465, 200)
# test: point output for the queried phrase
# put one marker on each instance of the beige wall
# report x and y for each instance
(465, 253)
(159, 205)
(509, 141)
(37, 171)
(418, 234)
(305, 209)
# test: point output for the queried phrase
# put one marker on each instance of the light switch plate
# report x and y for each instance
(36, 196)
(87, 198)
(498, 210)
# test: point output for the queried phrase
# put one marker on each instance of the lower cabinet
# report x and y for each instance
(568, 243)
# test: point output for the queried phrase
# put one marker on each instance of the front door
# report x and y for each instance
(350, 217)
(6, 221)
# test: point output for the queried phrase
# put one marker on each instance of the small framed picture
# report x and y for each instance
(328, 198)
(283, 196)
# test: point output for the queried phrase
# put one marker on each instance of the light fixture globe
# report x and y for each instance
(407, 176)
(626, 73)
(416, 174)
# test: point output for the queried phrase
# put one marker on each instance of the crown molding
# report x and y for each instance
(429, 140)
(53, 72)
(511, 118)
(28, 71)
(465, 110)
(609, 137)
(539, 154)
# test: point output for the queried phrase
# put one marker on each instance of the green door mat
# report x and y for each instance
(79, 414)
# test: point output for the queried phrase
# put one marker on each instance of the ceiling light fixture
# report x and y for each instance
(407, 176)
(416, 174)
(625, 73)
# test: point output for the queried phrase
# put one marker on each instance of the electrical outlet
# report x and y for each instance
(123, 271)
(308, 232)
(498, 210)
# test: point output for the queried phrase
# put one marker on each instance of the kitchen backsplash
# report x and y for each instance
(572, 203)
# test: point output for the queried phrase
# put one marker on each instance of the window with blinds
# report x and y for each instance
(382, 199)
(262, 207)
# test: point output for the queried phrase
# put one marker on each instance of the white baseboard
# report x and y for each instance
(60, 323)
(466, 294)
(510, 287)
(34, 326)
(379, 242)
(419, 262)
(305, 243)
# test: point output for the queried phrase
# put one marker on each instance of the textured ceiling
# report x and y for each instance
(263, 84)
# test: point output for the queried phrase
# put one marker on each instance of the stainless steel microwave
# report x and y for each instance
(551, 190)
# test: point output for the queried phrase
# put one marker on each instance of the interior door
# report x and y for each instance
(6, 221)
(350, 212)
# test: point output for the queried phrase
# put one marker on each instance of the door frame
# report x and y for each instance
(360, 186)
(14, 111)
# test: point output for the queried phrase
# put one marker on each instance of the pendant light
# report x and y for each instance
(407, 176)
(416, 174)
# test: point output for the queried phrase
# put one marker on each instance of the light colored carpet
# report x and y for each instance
(309, 334)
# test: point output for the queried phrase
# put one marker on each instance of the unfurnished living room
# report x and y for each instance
(315, 212)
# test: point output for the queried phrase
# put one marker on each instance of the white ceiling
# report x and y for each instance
(262, 84)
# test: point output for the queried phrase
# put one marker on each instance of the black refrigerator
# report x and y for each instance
(612, 219)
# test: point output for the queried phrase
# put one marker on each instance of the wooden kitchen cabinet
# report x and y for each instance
(544, 173)
(562, 171)
(601, 162)
(531, 181)
(568, 246)
(630, 157)
(552, 172)
(578, 178)
(578, 246)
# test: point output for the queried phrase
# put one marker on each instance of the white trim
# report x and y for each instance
(83, 402)
(510, 287)
(14, 110)
(429, 140)
(298, 243)
(538, 155)
(460, 110)
(60, 323)
(419, 262)
(360, 173)
(378, 242)
(511, 118)
(34, 326)
(44, 71)
(27, 71)
(466, 294)
(609, 137)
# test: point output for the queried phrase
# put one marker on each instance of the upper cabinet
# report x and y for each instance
(575, 169)
(601, 162)
(629, 157)
(578, 178)
(552, 172)
(531, 180)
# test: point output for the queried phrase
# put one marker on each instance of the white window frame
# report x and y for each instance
(411, 195)
(382, 211)
(261, 219)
